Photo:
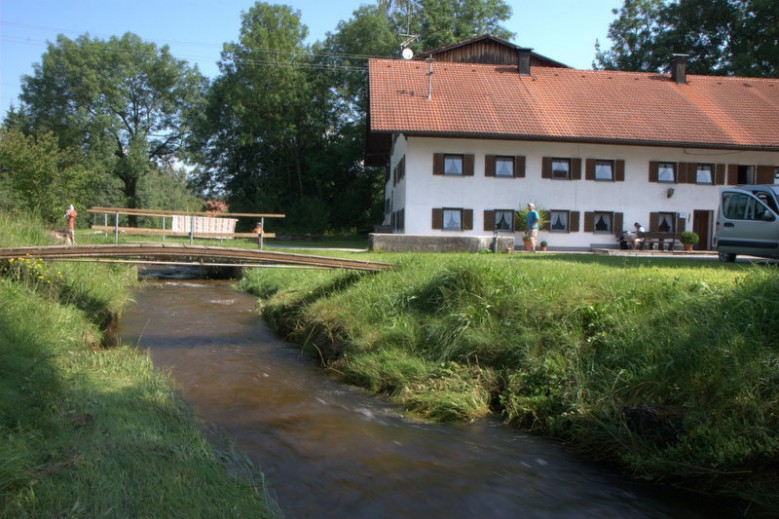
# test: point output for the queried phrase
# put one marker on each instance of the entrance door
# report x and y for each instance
(701, 225)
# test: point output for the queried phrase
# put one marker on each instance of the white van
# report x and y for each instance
(748, 222)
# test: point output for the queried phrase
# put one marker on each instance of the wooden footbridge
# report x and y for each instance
(160, 253)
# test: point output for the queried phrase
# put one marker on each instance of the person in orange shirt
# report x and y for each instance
(258, 231)
(71, 214)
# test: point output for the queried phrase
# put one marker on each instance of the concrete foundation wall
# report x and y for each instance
(421, 243)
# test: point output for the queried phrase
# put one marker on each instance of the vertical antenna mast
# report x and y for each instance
(408, 54)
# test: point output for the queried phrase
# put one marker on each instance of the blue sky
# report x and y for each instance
(563, 30)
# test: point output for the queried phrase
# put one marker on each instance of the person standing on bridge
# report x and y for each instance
(258, 231)
(70, 214)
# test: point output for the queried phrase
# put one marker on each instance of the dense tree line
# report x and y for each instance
(282, 127)
(721, 37)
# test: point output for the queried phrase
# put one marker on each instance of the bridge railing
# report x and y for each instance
(186, 223)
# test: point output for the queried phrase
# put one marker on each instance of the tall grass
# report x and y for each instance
(667, 367)
(87, 431)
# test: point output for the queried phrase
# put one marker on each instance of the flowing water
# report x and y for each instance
(331, 450)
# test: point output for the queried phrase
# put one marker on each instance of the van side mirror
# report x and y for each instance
(768, 217)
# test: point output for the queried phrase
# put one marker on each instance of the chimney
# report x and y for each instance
(523, 61)
(679, 68)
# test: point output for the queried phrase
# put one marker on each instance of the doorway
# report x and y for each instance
(701, 225)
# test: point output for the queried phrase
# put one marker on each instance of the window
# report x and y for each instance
(704, 174)
(603, 222)
(604, 170)
(504, 220)
(666, 222)
(737, 206)
(453, 164)
(561, 168)
(558, 221)
(767, 200)
(453, 219)
(746, 175)
(504, 166)
(776, 176)
(666, 172)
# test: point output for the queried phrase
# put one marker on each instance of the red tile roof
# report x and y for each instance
(474, 100)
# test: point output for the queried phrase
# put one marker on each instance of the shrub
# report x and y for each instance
(689, 237)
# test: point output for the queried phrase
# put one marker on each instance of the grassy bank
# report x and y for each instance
(668, 368)
(89, 431)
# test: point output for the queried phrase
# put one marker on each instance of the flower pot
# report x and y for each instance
(687, 246)
(528, 245)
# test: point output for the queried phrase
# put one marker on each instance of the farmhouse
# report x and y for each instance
(472, 132)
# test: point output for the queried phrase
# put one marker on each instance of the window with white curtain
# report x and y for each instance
(666, 172)
(603, 222)
(558, 221)
(704, 174)
(453, 164)
(453, 219)
(504, 166)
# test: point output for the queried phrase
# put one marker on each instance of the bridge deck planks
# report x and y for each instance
(205, 255)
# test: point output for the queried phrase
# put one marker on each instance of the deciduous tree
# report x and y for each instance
(122, 101)
(735, 37)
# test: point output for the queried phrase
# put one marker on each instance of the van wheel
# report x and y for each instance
(727, 257)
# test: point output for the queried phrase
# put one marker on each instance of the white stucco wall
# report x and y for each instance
(421, 191)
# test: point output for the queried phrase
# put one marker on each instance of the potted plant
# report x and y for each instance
(688, 239)
(528, 245)
(543, 245)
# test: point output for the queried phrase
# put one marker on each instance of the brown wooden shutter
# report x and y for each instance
(732, 174)
(573, 221)
(489, 220)
(519, 166)
(546, 167)
(618, 224)
(576, 169)
(719, 178)
(765, 175)
(467, 219)
(619, 170)
(589, 169)
(438, 218)
(681, 224)
(468, 160)
(654, 222)
(489, 165)
(654, 167)
(681, 172)
(438, 163)
(589, 221)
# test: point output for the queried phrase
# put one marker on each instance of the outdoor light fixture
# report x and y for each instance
(670, 192)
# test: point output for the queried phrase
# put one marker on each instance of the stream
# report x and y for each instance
(333, 450)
